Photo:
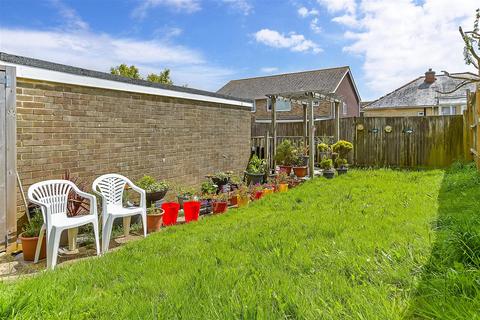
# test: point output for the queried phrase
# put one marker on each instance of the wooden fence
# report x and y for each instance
(471, 130)
(413, 142)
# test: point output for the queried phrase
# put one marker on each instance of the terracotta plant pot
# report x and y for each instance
(285, 169)
(233, 200)
(300, 172)
(154, 221)
(191, 209)
(242, 201)
(171, 213)
(219, 207)
(283, 187)
(29, 245)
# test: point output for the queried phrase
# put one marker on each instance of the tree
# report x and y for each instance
(471, 54)
(126, 71)
(162, 77)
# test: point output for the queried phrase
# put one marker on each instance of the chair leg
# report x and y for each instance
(144, 222)
(53, 244)
(97, 238)
(39, 243)
(107, 232)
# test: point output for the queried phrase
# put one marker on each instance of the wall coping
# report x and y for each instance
(48, 71)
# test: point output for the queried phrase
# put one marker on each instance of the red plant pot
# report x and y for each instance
(171, 213)
(191, 209)
(219, 206)
(285, 169)
(258, 195)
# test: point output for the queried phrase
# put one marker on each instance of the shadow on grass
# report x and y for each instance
(449, 287)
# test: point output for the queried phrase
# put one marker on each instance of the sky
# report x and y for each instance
(206, 43)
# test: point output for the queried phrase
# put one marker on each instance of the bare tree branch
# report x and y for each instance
(461, 84)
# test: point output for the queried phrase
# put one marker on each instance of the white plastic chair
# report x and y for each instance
(52, 197)
(110, 187)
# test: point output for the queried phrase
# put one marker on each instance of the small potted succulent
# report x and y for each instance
(29, 237)
(220, 203)
(299, 167)
(284, 156)
(324, 150)
(342, 148)
(154, 218)
(327, 166)
(256, 170)
(155, 190)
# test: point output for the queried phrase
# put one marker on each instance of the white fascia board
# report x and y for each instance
(289, 121)
(68, 78)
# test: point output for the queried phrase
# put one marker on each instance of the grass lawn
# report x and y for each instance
(374, 244)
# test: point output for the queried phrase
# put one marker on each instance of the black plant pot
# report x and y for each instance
(342, 170)
(220, 182)
(155, 196)
(329, 174)
(305, 161)
(254, 178)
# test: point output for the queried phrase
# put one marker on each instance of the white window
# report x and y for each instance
(420, 113)
(447, 110)
(254, 108)
(316, 103)
(344, 108)
(281, 105)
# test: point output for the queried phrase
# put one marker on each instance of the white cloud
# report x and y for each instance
(293, 41)
(183, 6)
(101, 51)
(341, 5)
(72, 19)
(269, 69)
(243, 6)
(314, 26)
(399, 40)
(304, 12)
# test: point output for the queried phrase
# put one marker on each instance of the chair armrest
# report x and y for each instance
(143, 194)
(90, 197)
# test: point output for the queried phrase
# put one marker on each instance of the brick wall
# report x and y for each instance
(96, 131)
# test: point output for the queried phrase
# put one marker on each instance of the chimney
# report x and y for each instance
(430, 76)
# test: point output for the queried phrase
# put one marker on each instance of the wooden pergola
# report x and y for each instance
(306, 99)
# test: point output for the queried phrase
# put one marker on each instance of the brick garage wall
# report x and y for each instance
(94, 131)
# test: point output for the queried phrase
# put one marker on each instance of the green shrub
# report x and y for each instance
(326, 164)
(149, 184)
(32, 228)
(256, 165)
(342, 147)
(285, 153)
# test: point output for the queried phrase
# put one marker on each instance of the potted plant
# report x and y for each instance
(282, 182)
(299, 167)
(207, 189)
(191, 209)
(302, 152)
(185, 194)
(154, 218)
(256, 170)
(327, 166)
(268, 188)
(29, 237)
(324, 150)
(171, 209)
(257, 192)
(284, 156)
(220, 179)
(220, 203)
(155, 190)
(243, 195)
(342, 148)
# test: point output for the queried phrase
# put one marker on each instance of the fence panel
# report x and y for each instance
(411, 142)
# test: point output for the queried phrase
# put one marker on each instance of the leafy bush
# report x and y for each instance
(326, 164)
(208, 187)
(341, 162)
(323, 147)
(32, 228)
(285, 153)
(149, 184)
(256, 165)
(342, 147)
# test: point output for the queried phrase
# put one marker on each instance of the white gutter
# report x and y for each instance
(68, 78)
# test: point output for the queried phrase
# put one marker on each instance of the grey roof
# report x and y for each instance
(418, 93)
(325, 80)
(106, 76)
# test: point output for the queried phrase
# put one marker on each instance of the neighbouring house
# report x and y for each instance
(338, 81)
(429, 95)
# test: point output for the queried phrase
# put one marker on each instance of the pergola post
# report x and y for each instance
(274, 130)
(337, 121)
(305, 124)
(311, 139)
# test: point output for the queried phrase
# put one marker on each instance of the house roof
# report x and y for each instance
(418, 93)
(66, 69)
(325, 80)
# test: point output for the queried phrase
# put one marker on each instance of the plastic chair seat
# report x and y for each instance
(119, 211)
(64, 222)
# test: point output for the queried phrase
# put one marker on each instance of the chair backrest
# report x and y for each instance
(51, 195)
(110, 187)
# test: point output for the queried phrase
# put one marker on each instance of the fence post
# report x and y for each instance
(267, 150)
(477, 132)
